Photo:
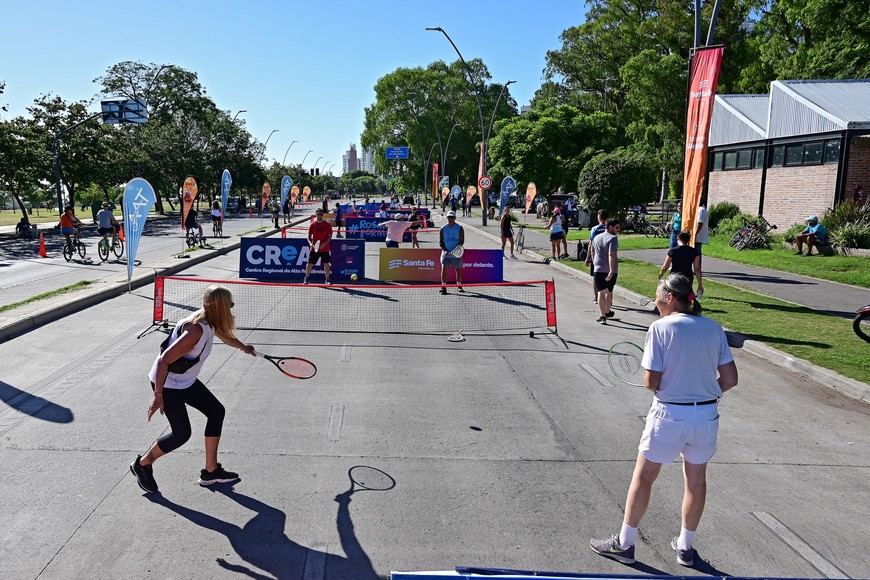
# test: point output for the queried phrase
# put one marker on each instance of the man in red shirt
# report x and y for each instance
(319, 234)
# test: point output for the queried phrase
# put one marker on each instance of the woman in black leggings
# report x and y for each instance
(191, 340)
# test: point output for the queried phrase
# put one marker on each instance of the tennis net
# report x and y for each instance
(390, 309)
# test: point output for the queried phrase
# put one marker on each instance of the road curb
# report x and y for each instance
(86, 299)
(825, 377)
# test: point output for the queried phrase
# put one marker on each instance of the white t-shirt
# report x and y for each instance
(201, 348)
(395, 229)
(687, 350)
(703, 235)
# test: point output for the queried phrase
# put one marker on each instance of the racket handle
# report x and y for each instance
(259, 354)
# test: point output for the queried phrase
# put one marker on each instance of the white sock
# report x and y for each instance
(684, 542)
(627, 535)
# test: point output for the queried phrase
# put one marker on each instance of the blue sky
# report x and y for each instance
(305, 68)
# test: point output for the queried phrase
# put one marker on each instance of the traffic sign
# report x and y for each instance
(485, 182)
(397, 152)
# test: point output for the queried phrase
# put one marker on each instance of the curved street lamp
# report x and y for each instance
(479, 110)
(269, 137)
(306, 157)
(286, 152)
(237, 114)
(316, 162)
(492, 119)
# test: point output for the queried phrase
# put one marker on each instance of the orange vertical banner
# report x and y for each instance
(434, 180)
(265, 194)
(469, 193)
(188, 194)
(531, 192)
(703, 82)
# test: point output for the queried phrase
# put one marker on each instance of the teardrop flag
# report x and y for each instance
(139, 198)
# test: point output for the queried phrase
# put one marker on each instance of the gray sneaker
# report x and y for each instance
(684, 557)
(610, 548)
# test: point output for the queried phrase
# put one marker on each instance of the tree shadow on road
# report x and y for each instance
(35, 406)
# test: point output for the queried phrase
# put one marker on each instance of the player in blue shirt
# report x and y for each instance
(815, 234)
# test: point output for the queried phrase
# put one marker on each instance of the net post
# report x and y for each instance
(550, 292)
(158, 300)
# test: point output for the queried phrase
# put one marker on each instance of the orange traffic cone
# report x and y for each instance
(42, 251)
(121, 234)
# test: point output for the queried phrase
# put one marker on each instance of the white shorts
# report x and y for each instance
(672, 430)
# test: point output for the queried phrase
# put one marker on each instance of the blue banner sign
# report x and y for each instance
(508, 186)
(367, 229)
(397, 152)
(139, 198)
(286, 184)
(226, 184)
(284, 259)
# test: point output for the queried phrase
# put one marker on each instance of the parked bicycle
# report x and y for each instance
(521, 238)
(753, 234)
(114, 245)
(76, 246)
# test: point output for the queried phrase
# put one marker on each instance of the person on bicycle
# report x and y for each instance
(106, 222)
(69, 223)
(191, 223)
(216, 217)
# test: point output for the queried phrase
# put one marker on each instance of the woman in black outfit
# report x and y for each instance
(685, 260)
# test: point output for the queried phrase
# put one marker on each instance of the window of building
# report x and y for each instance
(778, 156)
(717, 161)
(794, 154)
(813, 153)
(730, 159)
(758, 158)
(832, 151)
(744, 158)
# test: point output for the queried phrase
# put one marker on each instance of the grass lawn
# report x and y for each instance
(66, 289)
(830, 344)
(854, 270)
(9, 217)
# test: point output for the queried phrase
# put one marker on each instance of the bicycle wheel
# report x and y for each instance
(861, 326)
(67, 252)
(118, 248)
(191, 240)
(743, 243)
(82, 249)
(103, 249)
(521, 239)
(735, 238)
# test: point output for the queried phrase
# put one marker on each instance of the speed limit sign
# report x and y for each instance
(485, 182)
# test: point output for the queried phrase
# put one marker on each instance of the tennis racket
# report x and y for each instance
(624, 359)
(457, 252)
(435, 217)
(316, 247)
(293, 367)
(457, 337)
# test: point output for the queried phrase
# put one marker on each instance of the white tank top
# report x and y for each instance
(201, 348)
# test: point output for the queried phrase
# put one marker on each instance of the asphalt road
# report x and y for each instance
(506, 451)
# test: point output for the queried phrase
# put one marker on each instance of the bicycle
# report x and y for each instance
(861, 323)
(105, 246)
(76, 245)
(757, 235)
(741, 233)
(194, 238)
(521, 238)
(217, 228)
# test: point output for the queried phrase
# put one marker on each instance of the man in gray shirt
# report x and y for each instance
(603, 250)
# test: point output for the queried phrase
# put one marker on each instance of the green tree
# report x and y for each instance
(23, 160)
(618, 179)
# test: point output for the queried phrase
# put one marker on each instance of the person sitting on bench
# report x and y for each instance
(815, 234)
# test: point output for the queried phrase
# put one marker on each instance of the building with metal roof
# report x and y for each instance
(795, 152)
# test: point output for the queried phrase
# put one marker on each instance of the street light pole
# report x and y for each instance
(492, 119)
(286, 152)
(302, 165)
(238, 113)
(479, 110)
(267, 140)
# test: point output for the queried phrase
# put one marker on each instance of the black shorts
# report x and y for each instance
(104, 231)
(318, 257)
(601, 282)
(507, 233)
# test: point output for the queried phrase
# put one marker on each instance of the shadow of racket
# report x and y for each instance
(366, 478)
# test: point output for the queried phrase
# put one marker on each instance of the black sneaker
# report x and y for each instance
(610, 314)
(305, 281)
(144, 476)
(684, 557)
(443, 291)
(609, 548)
(219, 475)
(461, 290)
(601, 320)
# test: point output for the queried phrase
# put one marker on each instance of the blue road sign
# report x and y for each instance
(397, 152)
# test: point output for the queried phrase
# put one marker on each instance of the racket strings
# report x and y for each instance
(371, 478)
(297, 367)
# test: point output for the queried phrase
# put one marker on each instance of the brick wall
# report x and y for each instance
(740, 186)
(793, 193)
(859, 166)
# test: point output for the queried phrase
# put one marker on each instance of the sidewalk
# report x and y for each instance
(812, 293)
